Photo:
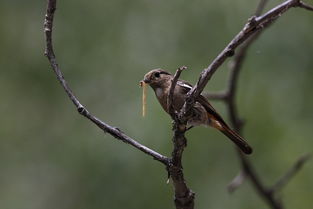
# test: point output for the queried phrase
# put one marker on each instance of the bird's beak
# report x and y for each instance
(145, 80)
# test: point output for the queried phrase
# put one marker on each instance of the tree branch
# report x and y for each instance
(171, 92)
(229, 98)
(290, 173)
(253, 25)
(115, 132)
(184, 197)
(305, 6)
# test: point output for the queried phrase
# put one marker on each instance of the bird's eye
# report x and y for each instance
(157, 74)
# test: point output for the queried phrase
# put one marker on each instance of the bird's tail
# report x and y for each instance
(238, 140)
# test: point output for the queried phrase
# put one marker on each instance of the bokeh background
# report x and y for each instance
(51, 157)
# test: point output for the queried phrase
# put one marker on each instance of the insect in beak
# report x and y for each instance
(143, 84)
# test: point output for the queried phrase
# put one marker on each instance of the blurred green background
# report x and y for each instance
(51, 157)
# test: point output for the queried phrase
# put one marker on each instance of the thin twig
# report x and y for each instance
(115, 132)
(170, 98)
(306, 6)
(259, 186)
(290, 173)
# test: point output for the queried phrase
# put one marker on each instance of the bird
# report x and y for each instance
(202, 112)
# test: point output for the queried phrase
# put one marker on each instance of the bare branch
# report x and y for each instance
(115, 132)
(229, 98)
(184, 197)
(259, 185)
(290, 173)
(172, 88)
(305, 6)
(253, 25)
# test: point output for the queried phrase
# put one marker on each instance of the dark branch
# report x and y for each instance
(115, 132)
(259, 186)
(184, 197)
(229, 98)
(253, 25)
(171, 92)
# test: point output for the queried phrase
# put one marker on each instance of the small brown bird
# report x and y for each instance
(202, 112)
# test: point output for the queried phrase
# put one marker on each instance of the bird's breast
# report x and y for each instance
(159, 92)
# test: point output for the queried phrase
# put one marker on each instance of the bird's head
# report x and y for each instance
(156, 78)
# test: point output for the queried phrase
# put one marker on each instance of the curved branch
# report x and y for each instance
(253, 25)
(115, 132)
(184, 197)
(268, 194)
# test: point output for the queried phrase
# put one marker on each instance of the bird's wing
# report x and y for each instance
(186, 87)
(208, 107)
(217, 120)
